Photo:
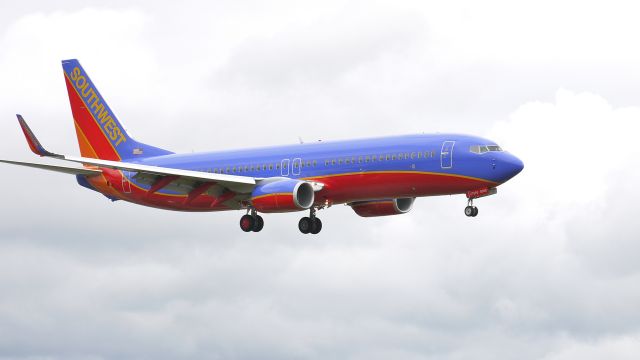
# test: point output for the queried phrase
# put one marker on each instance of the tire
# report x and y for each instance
(317, 226)
(475, 212)
(259, 224)
(304, 225)
(468, 211)
(247, 222)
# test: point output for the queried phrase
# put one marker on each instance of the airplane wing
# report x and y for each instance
(58, 168)
(155, 175)
(233, 182)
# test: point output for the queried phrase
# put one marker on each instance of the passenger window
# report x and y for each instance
(433, 153)
(333, 161)
(359, 159)
(420, 155)
(366, 159)
(393, 157)
(315, 162)
(270, 166)
(413, 155)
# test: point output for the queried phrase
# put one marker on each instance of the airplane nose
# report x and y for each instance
(510, 166)
(516, 165)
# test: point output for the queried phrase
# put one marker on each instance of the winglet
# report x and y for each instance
(33, 142)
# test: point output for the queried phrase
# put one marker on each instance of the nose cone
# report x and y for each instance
(509, 166)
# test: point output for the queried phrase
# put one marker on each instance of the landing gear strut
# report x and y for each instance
(310, 224)
(251, 222)
(470, 210)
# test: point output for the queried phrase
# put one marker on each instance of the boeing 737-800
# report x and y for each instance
(375, 177)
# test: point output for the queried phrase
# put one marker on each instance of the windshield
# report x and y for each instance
(481, 149)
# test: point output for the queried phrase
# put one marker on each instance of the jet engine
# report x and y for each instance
(279, 195)
(382, 207)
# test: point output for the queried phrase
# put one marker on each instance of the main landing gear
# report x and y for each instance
(470, 210)
(251, 222)
(310, 224)
(254, 222)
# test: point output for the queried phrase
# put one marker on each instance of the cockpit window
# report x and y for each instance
(481, 149)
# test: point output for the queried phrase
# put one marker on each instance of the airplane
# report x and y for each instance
(375, 177)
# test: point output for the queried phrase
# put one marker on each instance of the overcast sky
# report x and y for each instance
(548, 270)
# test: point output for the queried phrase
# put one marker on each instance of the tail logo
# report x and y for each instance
(96, 106)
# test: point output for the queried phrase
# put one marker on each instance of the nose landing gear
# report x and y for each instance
(251, 222)
(470, 210)
(310, 224)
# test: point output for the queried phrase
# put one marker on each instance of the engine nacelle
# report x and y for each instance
(280, 195)
(382, 207)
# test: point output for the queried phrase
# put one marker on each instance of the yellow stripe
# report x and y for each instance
(266, 195)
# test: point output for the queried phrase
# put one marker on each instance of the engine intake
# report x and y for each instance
(278, 195)
(383, 207)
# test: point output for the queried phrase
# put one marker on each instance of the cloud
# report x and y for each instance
(547, 270)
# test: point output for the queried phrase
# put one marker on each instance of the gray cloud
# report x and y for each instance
(547, 271)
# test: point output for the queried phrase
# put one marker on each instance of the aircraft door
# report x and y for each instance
(284, 167)
(446, 154)
(297, 164)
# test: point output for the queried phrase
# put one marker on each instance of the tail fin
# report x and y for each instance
(100, 134)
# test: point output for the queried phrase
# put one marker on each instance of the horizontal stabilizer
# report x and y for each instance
(58, 168)
(32, 140)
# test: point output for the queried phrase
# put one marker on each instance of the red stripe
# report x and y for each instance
(93, 132)
(371, 186)
(338, 189)
(30, 142)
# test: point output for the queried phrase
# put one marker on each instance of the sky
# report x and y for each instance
(548, 270)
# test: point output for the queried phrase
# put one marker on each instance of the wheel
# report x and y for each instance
(316, 226)
(468, 211)
(304, 225)
(475, 212)
(247, 222)
(259, 223)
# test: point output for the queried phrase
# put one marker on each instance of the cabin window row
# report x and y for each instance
(385, 157)
(340, 161)
(262, 167)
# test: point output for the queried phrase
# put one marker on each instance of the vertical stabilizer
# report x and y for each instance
(100, 133)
